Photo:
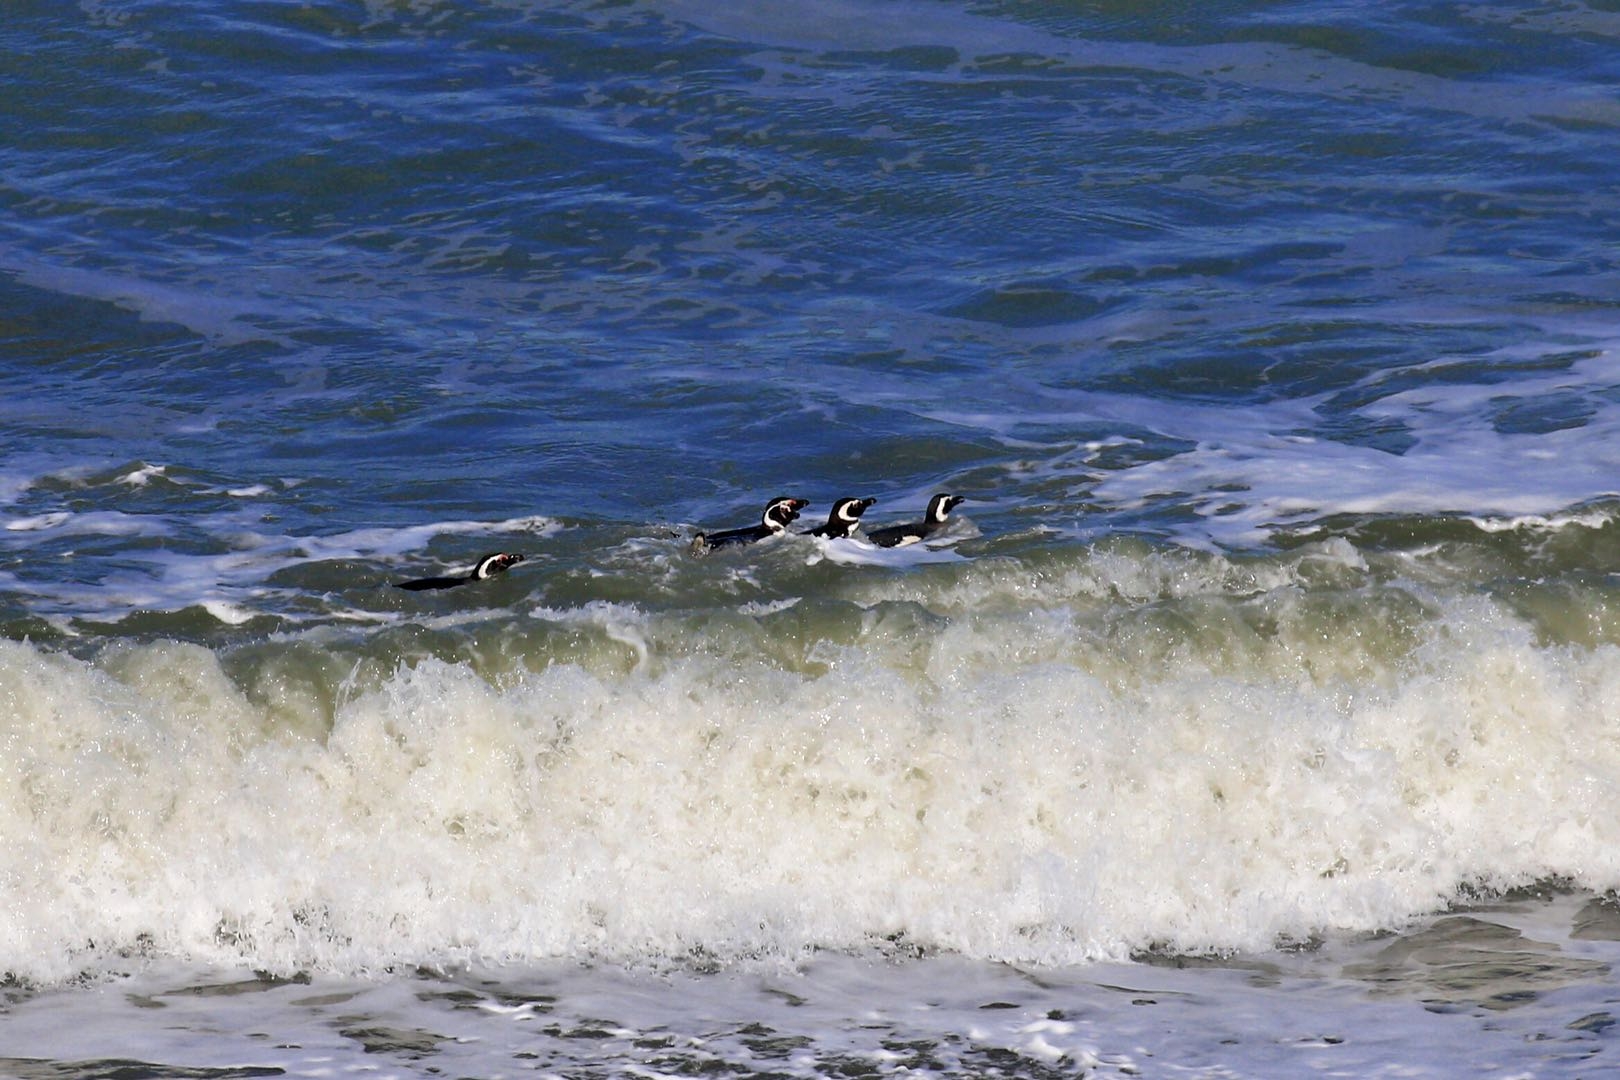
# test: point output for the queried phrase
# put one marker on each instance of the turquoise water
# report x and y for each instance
(1272, 347)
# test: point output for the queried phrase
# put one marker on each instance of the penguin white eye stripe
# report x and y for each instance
(779, 513)
(491, 564)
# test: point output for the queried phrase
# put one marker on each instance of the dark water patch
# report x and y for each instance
(193, 623)
(17, 625)
(124, 1069)
(1570, 552)
(263, 982)
(1161, 956)
(1579, 608)
(1464, 960)
(72, 337)
(589, 1030)
(769, 1043)
(1596, 1023)
(1555, 412)
(1027, 304)
(321, 1001)
(409, 1044)
(1598, 920)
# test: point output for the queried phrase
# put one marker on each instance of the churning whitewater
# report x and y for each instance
(937, 761)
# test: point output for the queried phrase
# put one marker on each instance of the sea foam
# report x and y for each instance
(1037, 786)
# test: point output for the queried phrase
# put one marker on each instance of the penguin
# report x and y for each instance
(779, 513)
(487, 567)
(844, 519)
(939, 507)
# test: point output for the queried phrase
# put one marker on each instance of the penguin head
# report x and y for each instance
(849, 511)
(498, 563)
(941, 505)
(781, 512)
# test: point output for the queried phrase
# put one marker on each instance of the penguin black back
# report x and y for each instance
(488, 567)
(779, 513)
(939, 509)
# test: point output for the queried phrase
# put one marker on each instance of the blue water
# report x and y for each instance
(1272, 347)
(639, 263)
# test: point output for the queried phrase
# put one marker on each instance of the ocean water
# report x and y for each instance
(1257, 714)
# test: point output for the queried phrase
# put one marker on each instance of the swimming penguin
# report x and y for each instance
(779, 513)
(487, 567)
(939, 507)
(844, 519)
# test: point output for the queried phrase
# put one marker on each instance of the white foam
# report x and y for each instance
(227, 613)
(1251, 472)
(142, 475)
(858, 551)
(386, 541)
(91, 523)
(1008, 784)
(37, 522)
(1585, 519)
